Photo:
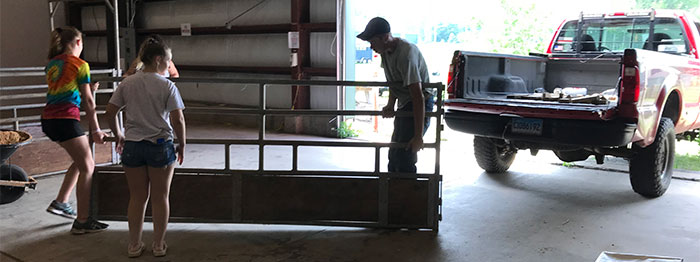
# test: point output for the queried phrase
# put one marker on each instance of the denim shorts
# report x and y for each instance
(142, 153)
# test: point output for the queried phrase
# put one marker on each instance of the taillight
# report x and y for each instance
(629, 92)
(630, 85)
(450, 82)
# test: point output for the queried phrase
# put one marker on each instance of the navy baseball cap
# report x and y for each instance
(376, 26)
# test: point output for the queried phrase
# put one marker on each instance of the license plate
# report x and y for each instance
(526, 126)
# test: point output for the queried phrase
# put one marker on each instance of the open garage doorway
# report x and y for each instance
(438, 29)
(437, 37)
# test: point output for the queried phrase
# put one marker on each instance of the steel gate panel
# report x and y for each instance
(336, 198)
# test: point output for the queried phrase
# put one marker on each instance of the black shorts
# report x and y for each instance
(61, 130)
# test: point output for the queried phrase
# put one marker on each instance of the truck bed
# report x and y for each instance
(533, 108)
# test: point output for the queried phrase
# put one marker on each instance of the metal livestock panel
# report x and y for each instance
(300, 197)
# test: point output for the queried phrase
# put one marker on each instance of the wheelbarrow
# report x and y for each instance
(13, 179)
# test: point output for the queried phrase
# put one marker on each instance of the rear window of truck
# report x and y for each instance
(618, 34)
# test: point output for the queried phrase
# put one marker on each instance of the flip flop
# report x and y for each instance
(160, 253)
(138, 252)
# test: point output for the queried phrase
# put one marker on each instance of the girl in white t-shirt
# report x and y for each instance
(137, 64)
(151, 103)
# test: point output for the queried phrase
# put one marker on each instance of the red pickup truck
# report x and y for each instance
(620, 84)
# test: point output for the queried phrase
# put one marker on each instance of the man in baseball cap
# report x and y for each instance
(402, 63)
(375, 26)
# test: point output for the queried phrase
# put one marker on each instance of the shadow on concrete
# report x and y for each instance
(595, 194)
(207, 242)
(48, 227)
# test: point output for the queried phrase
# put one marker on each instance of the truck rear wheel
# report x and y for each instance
(491, 156)
(652, 167)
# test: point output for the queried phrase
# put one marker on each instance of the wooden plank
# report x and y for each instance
(274, 199)
(309, 199)
(16, 183)
(110, 194)
(408, 202)
(202, 196)
(191, 196)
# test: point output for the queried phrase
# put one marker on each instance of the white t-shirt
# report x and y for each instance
(148, 99)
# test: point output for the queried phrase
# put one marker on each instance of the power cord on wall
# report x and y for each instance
(335, 38)
(229, 24)
(99, 39)
(339, 14)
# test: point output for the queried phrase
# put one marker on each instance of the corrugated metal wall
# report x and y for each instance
(228, 50)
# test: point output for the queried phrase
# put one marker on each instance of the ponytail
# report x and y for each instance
(60, 38)
(151, 39)
(150, 48)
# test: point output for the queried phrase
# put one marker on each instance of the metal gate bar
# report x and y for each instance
(295, 196)
(30, 112)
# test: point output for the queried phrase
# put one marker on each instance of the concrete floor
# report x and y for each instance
(536, 212)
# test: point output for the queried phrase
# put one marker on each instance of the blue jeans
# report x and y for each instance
(400, 159)
(142, 153)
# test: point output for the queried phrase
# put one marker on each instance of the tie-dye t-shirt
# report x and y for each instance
(64, 74)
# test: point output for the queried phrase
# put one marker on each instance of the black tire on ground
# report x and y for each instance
(9, 194)
(491, 156)
(652, 167)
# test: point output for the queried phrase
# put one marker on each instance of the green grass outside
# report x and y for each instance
(687, 162)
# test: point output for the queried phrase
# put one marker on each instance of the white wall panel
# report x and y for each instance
(231, 50)
(237, 94)
(323, 50)
(171, 14)
(324, 97)
(323, 11)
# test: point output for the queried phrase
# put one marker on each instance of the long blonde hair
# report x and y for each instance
(60, 37)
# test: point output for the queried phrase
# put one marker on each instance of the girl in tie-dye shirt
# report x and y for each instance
(64, 74)
(68, 79)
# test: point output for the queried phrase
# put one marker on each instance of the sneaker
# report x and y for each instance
(61, 209)
(159, 252)
(90, 226)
